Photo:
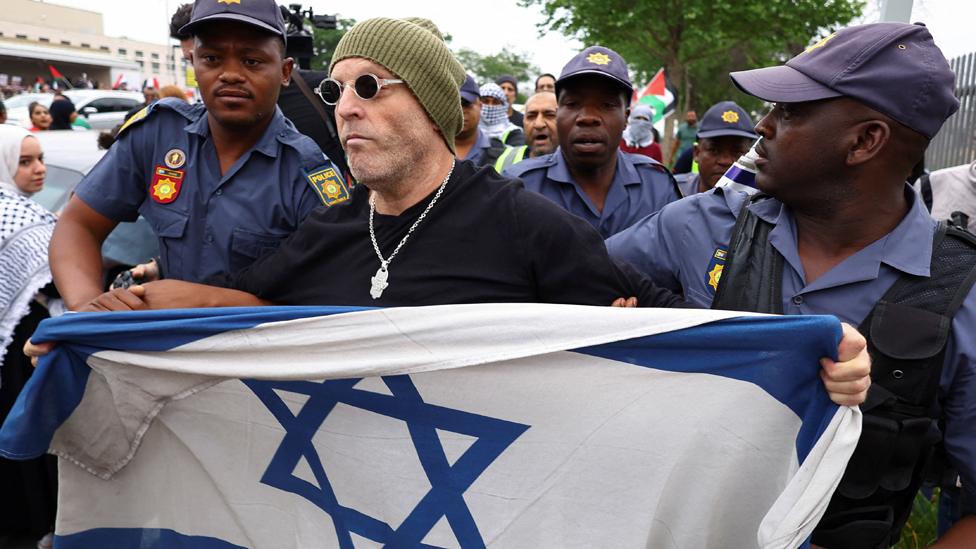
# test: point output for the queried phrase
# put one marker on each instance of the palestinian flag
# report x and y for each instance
(658, 95)
(57, 76)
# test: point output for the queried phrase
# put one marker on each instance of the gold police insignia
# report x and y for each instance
(820, 43)
(730, 116)
(329, 186)
(714, 276)
(228, 2)
(175, 159)
(598, 58)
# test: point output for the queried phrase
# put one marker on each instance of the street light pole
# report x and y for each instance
(896, 10)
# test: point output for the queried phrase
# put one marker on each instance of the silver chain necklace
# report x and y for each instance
(379, 280)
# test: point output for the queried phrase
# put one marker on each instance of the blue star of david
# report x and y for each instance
(448, 482)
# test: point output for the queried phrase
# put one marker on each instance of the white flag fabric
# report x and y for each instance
(497, 425)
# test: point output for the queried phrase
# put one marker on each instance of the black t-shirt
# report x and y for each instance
(486, 240)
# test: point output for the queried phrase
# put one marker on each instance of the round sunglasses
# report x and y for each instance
(366, 87)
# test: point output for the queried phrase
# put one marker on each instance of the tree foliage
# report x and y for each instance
(486, 68)
(699, 42)
(326, 42)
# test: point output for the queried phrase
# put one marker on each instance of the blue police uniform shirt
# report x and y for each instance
(210, 224)
(682, 248)
(483, 142)
(687, 183)
(640, 186)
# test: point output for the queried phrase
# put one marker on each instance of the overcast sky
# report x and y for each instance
(487, 26)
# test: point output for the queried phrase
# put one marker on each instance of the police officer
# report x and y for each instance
(472, 143)
(724, 134)
(220, 183)
(844, 234)
(588, 175)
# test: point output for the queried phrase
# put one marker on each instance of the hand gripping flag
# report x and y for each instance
(451, 426)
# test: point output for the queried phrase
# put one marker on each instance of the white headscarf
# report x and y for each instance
(11, 140)
(25, 230)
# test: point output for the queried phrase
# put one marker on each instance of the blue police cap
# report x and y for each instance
(724, 119)
(600, 61)
(894, 68)
(264, 14)
(469, 90)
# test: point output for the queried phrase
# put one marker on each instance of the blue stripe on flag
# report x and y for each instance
(729, 349)
(127, 538)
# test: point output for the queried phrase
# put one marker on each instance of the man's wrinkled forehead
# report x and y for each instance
(542, 101)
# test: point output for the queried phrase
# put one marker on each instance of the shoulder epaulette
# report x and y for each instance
(173, 104)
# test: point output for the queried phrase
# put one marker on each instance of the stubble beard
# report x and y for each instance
(399, 164)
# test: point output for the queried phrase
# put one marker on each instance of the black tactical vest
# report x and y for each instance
(907, 331)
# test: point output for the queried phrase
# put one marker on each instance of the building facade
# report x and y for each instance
(35, 36)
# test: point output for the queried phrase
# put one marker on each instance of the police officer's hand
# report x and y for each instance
(146, 272)
(117, 299)
(177, 294)
(628, 302)
(847, 380)
(37, 350)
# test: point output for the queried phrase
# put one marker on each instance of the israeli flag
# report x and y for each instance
(497, 425)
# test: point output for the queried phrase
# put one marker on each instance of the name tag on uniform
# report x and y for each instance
(328, 185)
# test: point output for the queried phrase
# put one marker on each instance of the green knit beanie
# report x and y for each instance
(413, 50)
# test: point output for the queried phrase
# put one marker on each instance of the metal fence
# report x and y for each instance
(955, 143)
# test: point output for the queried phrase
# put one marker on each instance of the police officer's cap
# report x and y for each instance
(894, 68)
(726, 119)
(264, 14)
(599, 61)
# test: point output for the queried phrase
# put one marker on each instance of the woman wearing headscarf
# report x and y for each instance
(62, 114)
(40, 117)
(29, 495)
(638, 136)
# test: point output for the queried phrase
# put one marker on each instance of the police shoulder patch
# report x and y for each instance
(328, 185)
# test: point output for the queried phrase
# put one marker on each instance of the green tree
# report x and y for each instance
(326, 41)
(486, 68)
(699, 42)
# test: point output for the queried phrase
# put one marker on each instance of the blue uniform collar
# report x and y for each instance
(907, 248)
(625, 174)
(267, 145)
(483, 142)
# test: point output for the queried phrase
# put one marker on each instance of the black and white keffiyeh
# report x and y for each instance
(25, 231)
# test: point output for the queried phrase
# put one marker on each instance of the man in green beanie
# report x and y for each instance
(423, 228)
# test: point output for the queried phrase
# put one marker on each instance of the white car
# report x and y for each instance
(104, 109)
(69, 156)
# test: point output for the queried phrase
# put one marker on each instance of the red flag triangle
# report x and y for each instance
(54, 72)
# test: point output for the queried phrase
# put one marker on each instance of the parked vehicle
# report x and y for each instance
(69, 156)
(104, 109)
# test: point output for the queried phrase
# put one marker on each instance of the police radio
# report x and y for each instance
(300, 44)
